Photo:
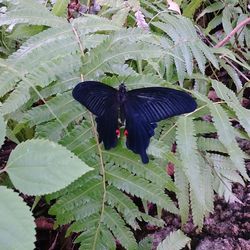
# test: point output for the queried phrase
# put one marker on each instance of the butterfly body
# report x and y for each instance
(140, 110)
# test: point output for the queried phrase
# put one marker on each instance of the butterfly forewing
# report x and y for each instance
(157, 103)
(95, 96)
(101, 100)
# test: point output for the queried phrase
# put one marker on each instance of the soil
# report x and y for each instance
(227, 228)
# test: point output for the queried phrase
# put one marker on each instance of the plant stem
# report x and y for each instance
(232, 33)
(102, 169)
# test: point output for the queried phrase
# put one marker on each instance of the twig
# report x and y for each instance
(232, 33)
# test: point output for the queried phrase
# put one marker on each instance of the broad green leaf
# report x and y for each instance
(38, 167)
(17, 226)
(176, 240)
(2, 130)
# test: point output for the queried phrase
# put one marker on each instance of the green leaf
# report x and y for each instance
(38, 167)
(120, 16)
(187, 147)
(140, 187)
(182, 185)
(186, 143)
(2, 130)
(176, 240)
(216, 21)
(226, 134)
(191, 8)
(114, 222)
(32, 12)
(233, 74)
(24, 31)
(228, 95)
(60, 7)
(17, 226)
(211, 8)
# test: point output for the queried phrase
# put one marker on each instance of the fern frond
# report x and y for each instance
(187, 44)
(114, 222)
(233, 74)
(80, 202)
(93, 23)
(203, 127)
(89, 238)
(80, 141)
(182, 186)
(44, 75)
(187, 147)
(54, 129)
(127, 160)
(210, 144)
(207, 185)
(139, 187)
(175, 241)
(31, 67)
(226, 134)
(224, 174)
(166, 131)
(124, 205)
(118, 48)
(228, 95)
(31, 12)
(58, 104)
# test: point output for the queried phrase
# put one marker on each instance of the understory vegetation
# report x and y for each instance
(47, 47)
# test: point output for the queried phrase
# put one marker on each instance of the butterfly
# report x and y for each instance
(140, 110)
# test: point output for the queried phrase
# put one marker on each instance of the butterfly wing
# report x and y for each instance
(144, 107)
(101, 100)
(158, 103)
(139, 131)
(95, 96)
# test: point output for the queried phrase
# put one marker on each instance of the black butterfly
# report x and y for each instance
(139, 108)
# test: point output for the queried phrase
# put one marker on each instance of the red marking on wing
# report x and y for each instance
(117, 132)
(126, 132)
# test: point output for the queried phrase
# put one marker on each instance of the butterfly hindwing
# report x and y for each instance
(107, 124)
(101, 100)
(139, 131)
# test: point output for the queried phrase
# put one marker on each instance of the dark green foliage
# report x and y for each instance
(54, 55)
